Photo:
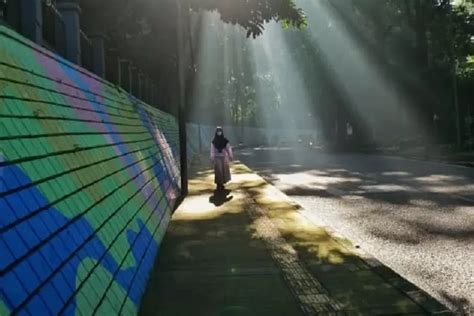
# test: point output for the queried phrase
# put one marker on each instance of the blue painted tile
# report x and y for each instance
(27, 233)
(16, 202)
(16, 293)
(7, 257)
(38, 307)
(8, 215)
(27, 276)
(15, 243)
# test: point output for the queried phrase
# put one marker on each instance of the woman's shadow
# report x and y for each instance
(220, 197)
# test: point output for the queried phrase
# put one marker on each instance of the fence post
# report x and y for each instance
(129, 73)
(134, 81)
(98, 54)
(111, 68)
(125, 80)
(32, 20)
(141, 81)
(156, 95)
(144, 96)
(70, 12)
(148, 90)
(153, 94)
(13, 14)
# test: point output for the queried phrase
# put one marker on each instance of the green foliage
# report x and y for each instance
(414, 43)
(144, 31)
(135, 17)
(253, 14)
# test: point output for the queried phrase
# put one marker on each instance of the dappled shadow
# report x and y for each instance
(400, 237)
(369, 188)
(461, 304)
(214, 251)
(395, 206)
(415, 232)
(331, 259)
(238, 168)
(305, 237)
(303, 191)
(453, 233)
(394, 189)
(211, 261)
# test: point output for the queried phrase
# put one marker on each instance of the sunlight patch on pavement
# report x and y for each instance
(396, 173)
(296, 166)
(421, 203)
(451, 189)
(439, 177)
(445, 183)
(301, 178)
(273, 148)
(385, 188)
(198, 207)
(301, 233)
(466, 210)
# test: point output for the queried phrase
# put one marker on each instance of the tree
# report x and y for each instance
(413, 43)
(252, 15)
(136, 29)
(145, 31)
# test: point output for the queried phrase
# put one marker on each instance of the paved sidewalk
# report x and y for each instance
(254, 251)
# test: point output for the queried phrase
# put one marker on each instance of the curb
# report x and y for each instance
(419, 296)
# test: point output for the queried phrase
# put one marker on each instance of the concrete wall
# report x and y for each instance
(88, 178)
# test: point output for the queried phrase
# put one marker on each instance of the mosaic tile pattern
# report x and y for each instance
(88, 178)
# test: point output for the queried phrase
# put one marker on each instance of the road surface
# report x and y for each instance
(416, 217)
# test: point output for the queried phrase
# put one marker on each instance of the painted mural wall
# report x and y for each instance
(88, 178)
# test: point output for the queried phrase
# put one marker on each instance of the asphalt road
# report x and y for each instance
(416, 217)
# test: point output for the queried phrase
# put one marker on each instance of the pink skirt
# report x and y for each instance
(221, 170)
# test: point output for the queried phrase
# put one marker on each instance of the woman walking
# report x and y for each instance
(221, 155)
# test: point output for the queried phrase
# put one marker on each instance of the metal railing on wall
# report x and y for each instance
(87, 57)
(10, 12)
(54, 38)
(54, 34)
(3, 9)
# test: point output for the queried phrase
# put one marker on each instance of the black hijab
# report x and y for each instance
(220, 142)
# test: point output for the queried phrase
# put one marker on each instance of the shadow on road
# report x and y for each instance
(215, 260)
